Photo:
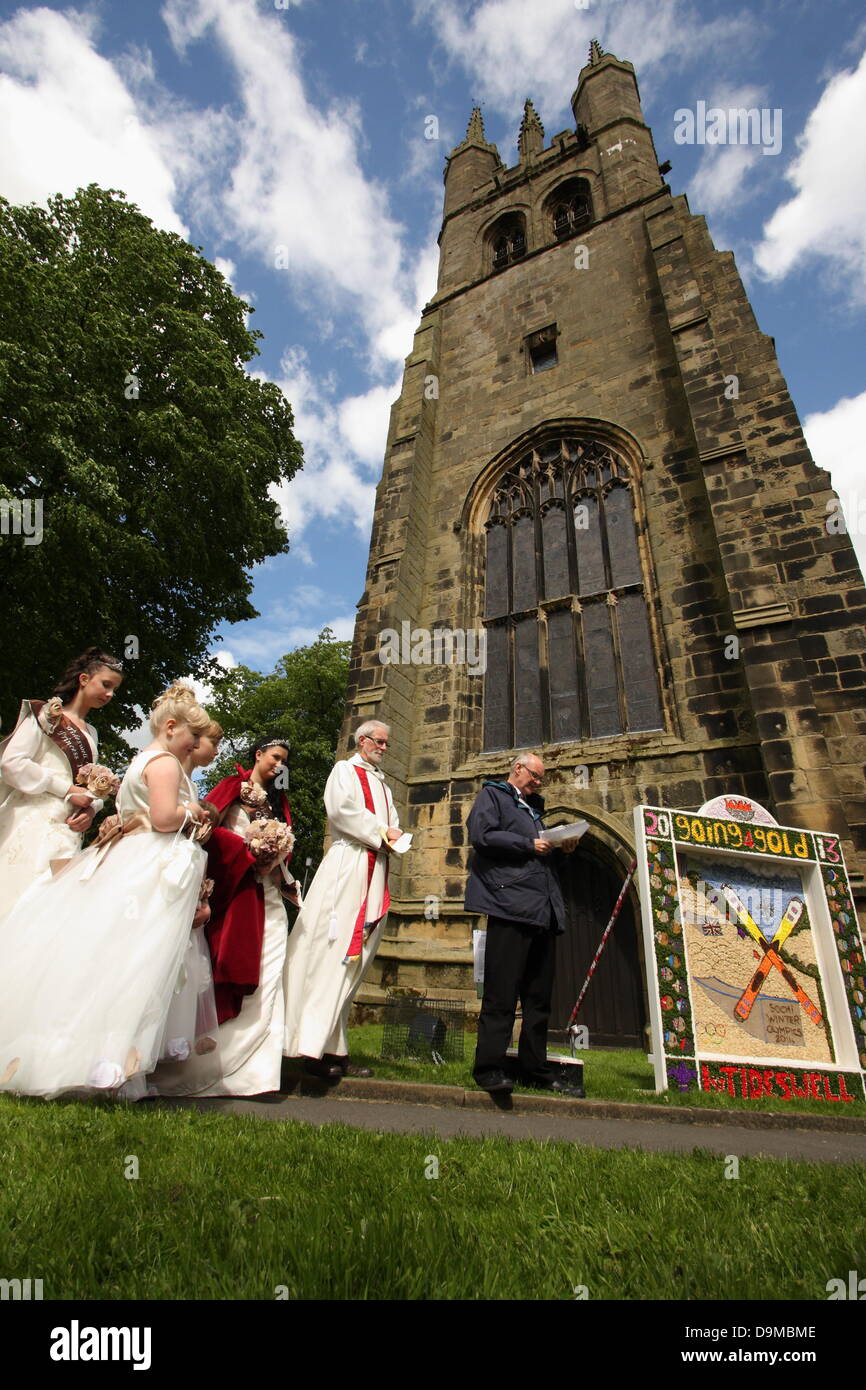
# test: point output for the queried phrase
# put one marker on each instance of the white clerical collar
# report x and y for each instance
(361, 761)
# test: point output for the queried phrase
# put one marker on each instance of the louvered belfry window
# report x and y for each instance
(569, 651)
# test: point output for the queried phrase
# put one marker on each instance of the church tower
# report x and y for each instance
(596, 485)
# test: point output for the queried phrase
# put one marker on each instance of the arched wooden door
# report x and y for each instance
(613, 1009)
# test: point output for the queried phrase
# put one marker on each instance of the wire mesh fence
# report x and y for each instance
(432, 1029)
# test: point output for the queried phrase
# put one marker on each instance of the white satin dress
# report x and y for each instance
(34, 779)
(90, 959)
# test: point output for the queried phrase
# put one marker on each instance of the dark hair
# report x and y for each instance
(89, 662)
(274, 794)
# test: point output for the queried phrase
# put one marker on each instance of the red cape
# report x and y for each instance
(226, 792)
(236, 929)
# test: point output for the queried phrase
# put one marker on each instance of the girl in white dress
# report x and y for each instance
(189, 1055)
(42, 812)
(89, 958)
(251, 1042)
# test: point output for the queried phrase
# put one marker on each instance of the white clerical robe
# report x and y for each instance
(319, 986)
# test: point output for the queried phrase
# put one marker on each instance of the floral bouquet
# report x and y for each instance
(200, 831)
(268, 841)
(202, 912)
(254, 799)
(98, 780)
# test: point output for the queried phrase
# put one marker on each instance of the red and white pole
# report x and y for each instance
(572, 1027)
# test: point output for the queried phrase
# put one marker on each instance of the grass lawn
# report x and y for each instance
(614, 1075)
(231, 1207)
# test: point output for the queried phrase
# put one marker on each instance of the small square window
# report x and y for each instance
(541, 349)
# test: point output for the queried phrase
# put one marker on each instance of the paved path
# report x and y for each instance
(660, 1134)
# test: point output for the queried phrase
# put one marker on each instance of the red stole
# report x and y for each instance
(357, 942)
(73, 744)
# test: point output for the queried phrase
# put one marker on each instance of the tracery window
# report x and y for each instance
(570, 208)
(507, 239)
(569, 649)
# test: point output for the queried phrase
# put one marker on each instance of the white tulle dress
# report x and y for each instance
(92, 960)
(34, 779)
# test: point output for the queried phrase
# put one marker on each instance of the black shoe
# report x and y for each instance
(567, 1088)
(554, 1083)
(325, 1071)
(495, 1081)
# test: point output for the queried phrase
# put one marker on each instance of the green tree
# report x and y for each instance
(126, 410)
(302, 700)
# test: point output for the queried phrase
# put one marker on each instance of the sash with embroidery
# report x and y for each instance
(357, 942)
(73, 744)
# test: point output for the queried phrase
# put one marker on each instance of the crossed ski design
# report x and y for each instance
(792, 915)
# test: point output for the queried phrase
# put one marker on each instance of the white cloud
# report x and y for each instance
(69, 120)
(203, 690)
(296, 189)
(262, 649)
(363, 422)
(139, 735)
(835, 438)
(722, 171)
(226, 268)
(342, 626)
(229, 270)
(344, 438)
(513, 49)
(827, 216)
(344, 444)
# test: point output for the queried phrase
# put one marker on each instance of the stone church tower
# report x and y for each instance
(595, 462)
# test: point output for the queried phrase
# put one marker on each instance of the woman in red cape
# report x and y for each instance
(248, 930)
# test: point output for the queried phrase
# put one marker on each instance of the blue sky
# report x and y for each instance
(287, 138)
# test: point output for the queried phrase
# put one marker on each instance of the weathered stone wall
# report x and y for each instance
(659, 351)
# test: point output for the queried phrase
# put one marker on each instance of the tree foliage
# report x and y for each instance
(302, 700)
(127, 410)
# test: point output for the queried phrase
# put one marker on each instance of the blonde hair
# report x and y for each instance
(179, 703)
(214, 731)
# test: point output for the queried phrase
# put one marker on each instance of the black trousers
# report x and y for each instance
(518, 964)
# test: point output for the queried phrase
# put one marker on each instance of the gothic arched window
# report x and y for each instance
(507, 239)
(570, 208)
(569, 651)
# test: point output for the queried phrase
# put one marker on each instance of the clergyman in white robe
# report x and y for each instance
(319, 984)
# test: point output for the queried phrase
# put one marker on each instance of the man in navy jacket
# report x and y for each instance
(513, 880)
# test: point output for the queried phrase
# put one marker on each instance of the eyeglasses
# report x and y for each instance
(537, 777)
(380, 742)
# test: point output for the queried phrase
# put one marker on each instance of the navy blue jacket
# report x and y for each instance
(506, 876)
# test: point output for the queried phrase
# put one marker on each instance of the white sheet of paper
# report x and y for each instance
(558, 833)
(479, 944)
(405, 842)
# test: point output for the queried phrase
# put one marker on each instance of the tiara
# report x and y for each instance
(273, 743)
